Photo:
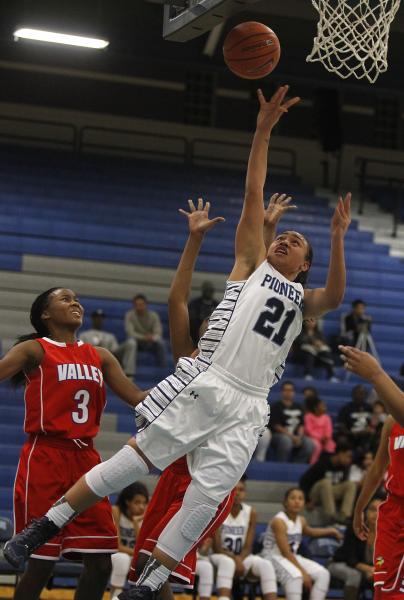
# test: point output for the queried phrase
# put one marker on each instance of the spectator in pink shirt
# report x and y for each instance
(318, 427)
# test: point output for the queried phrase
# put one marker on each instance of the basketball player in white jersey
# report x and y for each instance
(281, 544)
(233, 546)
(214, 407)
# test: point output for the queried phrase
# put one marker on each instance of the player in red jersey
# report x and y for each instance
(175, 479)
(388, 573)
(64, 400)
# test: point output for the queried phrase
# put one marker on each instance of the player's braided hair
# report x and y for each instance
(38, 306)
(304, 275)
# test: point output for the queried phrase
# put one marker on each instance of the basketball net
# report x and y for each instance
(353, 35)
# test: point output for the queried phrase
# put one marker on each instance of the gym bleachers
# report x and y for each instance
(110, 228)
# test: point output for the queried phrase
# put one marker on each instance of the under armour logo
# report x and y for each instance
(194, 394)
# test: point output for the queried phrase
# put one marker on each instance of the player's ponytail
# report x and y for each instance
(38, 306)
(304, 275)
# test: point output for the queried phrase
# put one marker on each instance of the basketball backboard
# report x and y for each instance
(183, 24)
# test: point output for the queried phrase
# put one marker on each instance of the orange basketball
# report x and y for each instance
(251, 50)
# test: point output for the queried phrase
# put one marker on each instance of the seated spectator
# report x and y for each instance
(353, 562)
(97, 336)
(326, 483)
(318, 427)
(355, 323)
(354, 419)
(201, 308)
(128, 516)
(309, 392)
(287, 428)
(313, 350)
(144, 326)
(281, 546)
(233, 550)
(360, 467)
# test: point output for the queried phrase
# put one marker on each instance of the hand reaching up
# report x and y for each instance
(198, 218)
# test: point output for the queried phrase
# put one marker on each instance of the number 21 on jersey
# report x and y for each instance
(267, 320)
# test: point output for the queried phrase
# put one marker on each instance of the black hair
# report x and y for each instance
(243, 478)
(358, 301)
(343, 446)
(304, 275)
(312, 389)
(40, 304)
(287, 383)
(128, 493)
(312, 403)
(290, 490)
(139, 297)
(356, 388)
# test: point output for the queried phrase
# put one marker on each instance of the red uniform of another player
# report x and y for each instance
(165, 502)
(64, 400)
(389, 543)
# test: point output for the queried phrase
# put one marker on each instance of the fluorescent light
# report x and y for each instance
(59, 38)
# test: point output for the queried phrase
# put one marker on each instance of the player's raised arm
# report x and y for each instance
(198, 223)
(365, 365)
(250, 247)
(277, 206)
(319, 301)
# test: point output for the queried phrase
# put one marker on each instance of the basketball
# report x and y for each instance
(251, 50)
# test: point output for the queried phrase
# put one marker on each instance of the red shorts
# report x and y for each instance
(164, 504)
(46, 470)
(389, 549)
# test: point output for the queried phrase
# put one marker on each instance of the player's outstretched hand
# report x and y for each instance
(360, 528)
(270, 112)
(342, 215)
(277, 206)
(361, 363)
(198, 218)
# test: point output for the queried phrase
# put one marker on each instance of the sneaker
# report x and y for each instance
(138, 592)
(18, 550)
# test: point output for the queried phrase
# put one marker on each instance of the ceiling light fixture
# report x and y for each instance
(60, 38)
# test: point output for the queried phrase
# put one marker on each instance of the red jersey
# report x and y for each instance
(65, 395)
(395, 473)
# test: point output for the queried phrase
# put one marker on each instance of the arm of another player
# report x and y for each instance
(276, 208)
(372, 480)
(321, 300)
(249, 246)
(22, 357)
(198, 223)
(279, 529)
(116, 379)
(363, 364)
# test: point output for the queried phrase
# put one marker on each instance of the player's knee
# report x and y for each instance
(199, 510)
(323, 577)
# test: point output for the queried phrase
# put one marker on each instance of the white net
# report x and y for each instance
(353, 35)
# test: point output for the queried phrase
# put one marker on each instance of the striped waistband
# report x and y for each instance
(63, 443)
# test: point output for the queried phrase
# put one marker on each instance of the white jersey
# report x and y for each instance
(294, 532)
(126, 531)
(234, 530)
(252, 330)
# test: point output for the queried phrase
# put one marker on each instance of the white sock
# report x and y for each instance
(154, 575)
(61, 513)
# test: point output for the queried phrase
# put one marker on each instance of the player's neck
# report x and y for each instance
(235, 511)
(66, 336)
(291, 515)
(291, 276)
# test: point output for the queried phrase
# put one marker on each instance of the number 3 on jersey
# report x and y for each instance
(81, 414)
(273, 315)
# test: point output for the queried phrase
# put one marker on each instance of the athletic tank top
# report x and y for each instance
(252, 330)
(126, 531)
(293, 532)
(234, 530)
(65, 395)
(395, 479)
